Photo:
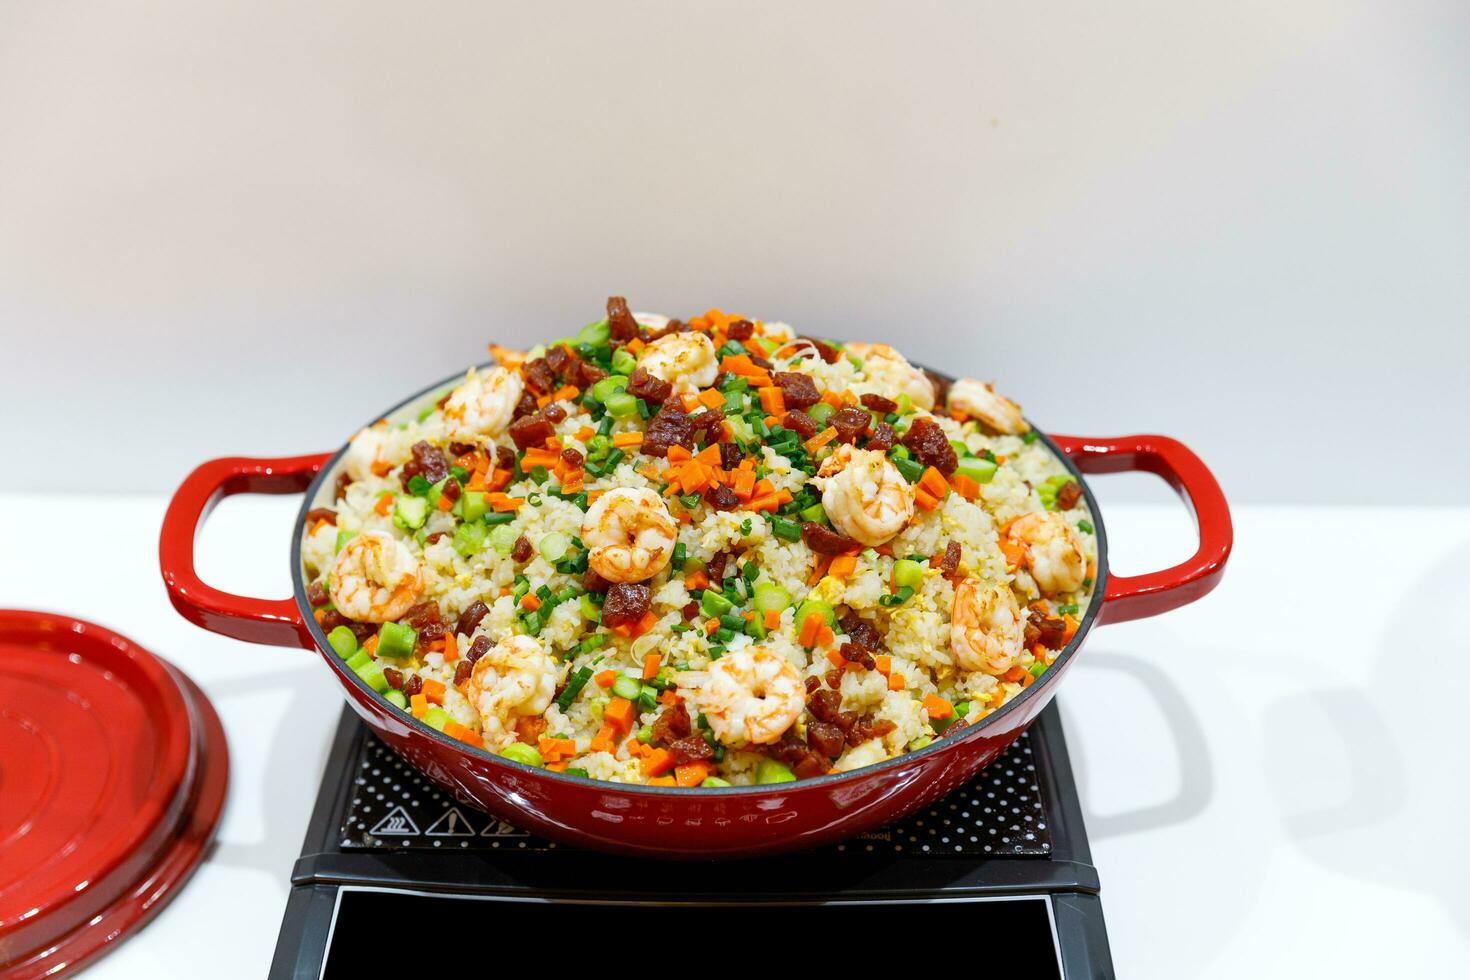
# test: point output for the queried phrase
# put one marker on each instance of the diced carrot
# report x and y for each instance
(937, 706)
(657, 762)
(625, 439)
(842, 566)
(662, 781)
(924, 500)
(772, 619)
(585, 433)
(773, 400)
(964, 486)
(710, 398)
(643, 625)
(635, 346)
(821, 439)
(650, 666)
(895, 682)
(934, 482)
(434, 691)
(385, 502)
(697, 579)
(381, 467)
(836, 659)
(809, 628)
(621, 714)
(710, 625)
(502, 504)
(573, 481)
(539, 457)
(691, 774)
(825, 635)
(453, 728)
(770, 501)
(529, 602)
(371, 645)
(883, 664)
(445, 504)
(451, 648)
(1013, 675)
(566, 393)
(556, 749)
(605, 678)
(418, 705)
(499, 480)
(603, 741)
(678, 454)
(558, 766)
(744, 484)
(319, 615)
(1071, 629)
(693, 476)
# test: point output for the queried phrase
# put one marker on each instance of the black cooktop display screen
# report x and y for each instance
(369, 926)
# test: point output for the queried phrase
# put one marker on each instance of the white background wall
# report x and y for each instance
(243, 227)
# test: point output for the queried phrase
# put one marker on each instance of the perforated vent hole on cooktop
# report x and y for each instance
(1000, 813)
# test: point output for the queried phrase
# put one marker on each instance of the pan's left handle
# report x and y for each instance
(274, 621)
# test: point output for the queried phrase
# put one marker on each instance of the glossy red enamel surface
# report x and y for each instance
(1136, 596)
(707, 823)
(277, 622)
(112, 777)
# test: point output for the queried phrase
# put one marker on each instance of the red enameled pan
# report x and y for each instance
(689, 823)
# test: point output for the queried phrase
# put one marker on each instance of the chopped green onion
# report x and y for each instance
(372, 673)
(784, 529)
(522, 753)
(1085, 526)
(815, 513)
(344, 641)
(1029, 436)
(676, 561)
(1038, 668)
(714, 604)
(589, 609)
(579, 772)
(906, 572)
(911, 470)
(626, 687)
(825, 610)
(622, 404)
(820, 413)
(469, 538)
(553, 547)
(395, 641)
(624, 362)
(979, 470)
(769, 771)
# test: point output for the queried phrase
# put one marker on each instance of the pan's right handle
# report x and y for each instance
(1136, 596)
(274, 621)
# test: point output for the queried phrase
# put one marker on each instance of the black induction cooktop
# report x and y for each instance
(389, 855)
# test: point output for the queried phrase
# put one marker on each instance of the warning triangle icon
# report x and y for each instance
(397, 822)
(451, 823)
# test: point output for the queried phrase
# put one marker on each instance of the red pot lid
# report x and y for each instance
(113, 769)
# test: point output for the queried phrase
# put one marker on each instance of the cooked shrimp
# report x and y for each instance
(629, 534)
(685, 360)
(1053, 551)
(374, 451)
(751, 695)
(865, 496)
(482, 406)
(516, 678)
(892, 370)
(986, 630)
(982, 401)
(375, 578)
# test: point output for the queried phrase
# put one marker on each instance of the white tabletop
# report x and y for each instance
(1258, 800)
